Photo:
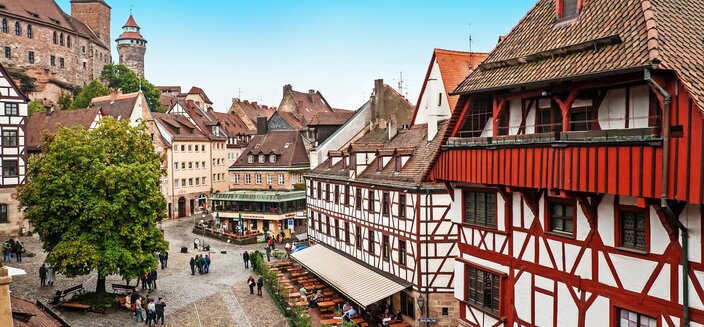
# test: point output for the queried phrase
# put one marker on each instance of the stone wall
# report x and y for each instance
(16, 221)
(96, 15)
(436, 302)
(132, 56)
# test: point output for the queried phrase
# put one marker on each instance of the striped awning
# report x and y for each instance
(355, 281)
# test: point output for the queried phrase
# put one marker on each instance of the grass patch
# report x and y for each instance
(97, 302)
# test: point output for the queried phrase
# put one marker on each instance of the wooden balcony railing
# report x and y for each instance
(649, 134)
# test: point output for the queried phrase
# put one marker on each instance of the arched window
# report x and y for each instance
(55, 39)
(18, 30)
(68, 41)
(4, 25)
(61, 39)
(30, 33)
(3, 213)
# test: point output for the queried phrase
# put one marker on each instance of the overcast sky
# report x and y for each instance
(250, 49)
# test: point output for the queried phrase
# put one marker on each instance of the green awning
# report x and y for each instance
(259, 196)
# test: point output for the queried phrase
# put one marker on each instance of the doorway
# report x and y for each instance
(181, 207)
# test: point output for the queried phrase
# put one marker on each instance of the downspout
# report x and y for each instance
(663, 196)
(427, 283)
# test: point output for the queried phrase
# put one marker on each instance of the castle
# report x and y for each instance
(47, 51)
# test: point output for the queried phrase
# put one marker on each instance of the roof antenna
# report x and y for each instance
(131, 6)
(400, 86)
(471, 54)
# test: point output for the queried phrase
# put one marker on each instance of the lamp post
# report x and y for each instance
(421, 302)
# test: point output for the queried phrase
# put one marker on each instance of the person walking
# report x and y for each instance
(245, 257)
(251, 283)
(50, 276)
(199, 263)
(207, 263)
(160, 305)
(164, 259)
(151, 313)
(268, 252)
(272, 244)
(260, 283)
(287, 247)
(42, 275)
(5, 251)
(154, 277)
(18, 250)
(138, 309)
(193, 266)
(144, 281)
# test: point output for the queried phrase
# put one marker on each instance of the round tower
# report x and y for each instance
(132, 46)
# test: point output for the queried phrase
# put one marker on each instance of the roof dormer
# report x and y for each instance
(568, 9)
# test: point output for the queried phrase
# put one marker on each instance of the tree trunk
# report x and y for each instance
(100, 285)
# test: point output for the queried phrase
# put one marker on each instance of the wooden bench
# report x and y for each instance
(121, 288)
(75, 306)
(61, 295)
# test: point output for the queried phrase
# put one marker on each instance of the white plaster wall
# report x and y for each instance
(351, 129)
(567, 312)
(515, 115)
(598, 312)
(544, 309)
(428, 104)
(692, 219)
(661, 286)
(633, 272)
(522, 295)
(459, 282)
(612, 112)
(606, 226)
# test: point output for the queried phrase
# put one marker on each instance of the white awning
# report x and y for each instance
(355, 281)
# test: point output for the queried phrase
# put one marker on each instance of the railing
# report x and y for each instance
(610, 135)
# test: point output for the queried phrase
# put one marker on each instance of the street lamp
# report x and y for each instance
(421, 301)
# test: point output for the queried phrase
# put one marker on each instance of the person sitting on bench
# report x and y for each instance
(313, 302)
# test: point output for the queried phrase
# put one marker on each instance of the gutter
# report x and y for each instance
(667, 99)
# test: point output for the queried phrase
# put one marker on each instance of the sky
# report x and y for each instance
(250, 49)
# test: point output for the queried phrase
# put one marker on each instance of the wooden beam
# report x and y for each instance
(565, 106)
(497, 110)
(460, 120)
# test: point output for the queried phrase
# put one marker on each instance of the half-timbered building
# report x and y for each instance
(575, 159)
(13, 154)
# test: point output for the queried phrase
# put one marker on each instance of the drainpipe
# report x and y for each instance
(663, 196)
(427, 283)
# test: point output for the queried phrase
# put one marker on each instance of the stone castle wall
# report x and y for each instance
(132, 56)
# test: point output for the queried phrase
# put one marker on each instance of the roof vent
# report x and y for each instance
(287, 145)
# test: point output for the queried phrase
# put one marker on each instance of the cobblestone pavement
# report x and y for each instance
(220, 298)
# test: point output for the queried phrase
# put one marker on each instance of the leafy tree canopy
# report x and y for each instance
(94, 89)
(121, 77)
(35, 106)
(93, 197)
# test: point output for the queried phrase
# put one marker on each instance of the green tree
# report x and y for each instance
(35, 106)
(121, 77)
(65, 100)
(93, 90)
(93, 197)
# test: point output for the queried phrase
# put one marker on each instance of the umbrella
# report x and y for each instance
(12, 271)
(300, 248)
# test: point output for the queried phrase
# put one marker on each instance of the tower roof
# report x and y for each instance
(131, 22)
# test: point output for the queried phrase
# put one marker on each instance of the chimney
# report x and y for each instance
(254, 104)
(5, 302)
(189, 104)
(392, 127)
(311, 94)
(378, 102)
(261, 125)
(287, 88)
(235, 99)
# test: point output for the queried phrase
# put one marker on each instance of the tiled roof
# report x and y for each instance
(117, 106)
(180, 127)
(28, 314)
(309, 105)
(292, 119)
(409, 142)
(338, 117)
(131, 22)
(51, 122)
(231, 124)
(199, 91)
(454, 68)
(608, 35)
(254, 110)
(287, 145)
(131, 36)
(48, 13)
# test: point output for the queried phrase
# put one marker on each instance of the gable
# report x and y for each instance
(278, 123)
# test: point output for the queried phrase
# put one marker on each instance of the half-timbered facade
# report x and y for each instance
(575, 159)
(13, 153)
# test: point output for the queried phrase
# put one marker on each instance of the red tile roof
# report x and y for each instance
(199, 91)
(26, 313)
(287, 145)
(607, 36)
(180, 127)
(41, 122)
(231, 124)
(254, 110)
(117, 106)
(131, 36)
(339, 117)
(309, 105)
(454, 68)
(131, 23)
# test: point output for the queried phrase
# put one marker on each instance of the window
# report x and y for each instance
(580, 119)
(327, 225)
(68, 41)
(358, 199)
(440, 99)
(61, 39)
(4, 25)
(261, 158)
(337, 229)
(561, 217)
(3, 211)
(176, 165)
(55, 38)
(52, 60)
(480, 208)
(18, 29)
(258, 179)
(196, 164)
(569, 8)
(8, 52)
(269, 179)
(371, 242)
(397, 164)
(202, 164)
(358, 238)
(347, 232)
(202, 147)
(348, 195)
(312, 221)
(408, 305)
(190, 148)
(482, 289)
(247, 179)
(385, 204)
(272, 158)
(402, 253)
(61, 62)
(183, 148)
(183, 182)
(84, 65)
(30, 33)
(327, 192)
(385, 247)
(9, 138)
(633, 233)
(237, 178)
(176, 184)
(337, 194)
(30, 57)
(83, 49)
(282, 180)
(190, 182)
(204, 181)
(11, 109)
(548, 119)
(370, 201)
(10, 168)
(183, 165)
(190, 164)
(319, 191)
(625, 318)
(197, 181)
(402, 206)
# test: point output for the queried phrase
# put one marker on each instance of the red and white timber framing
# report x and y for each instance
(334, 218)
(583, 279)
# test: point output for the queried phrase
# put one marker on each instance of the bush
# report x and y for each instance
(97, 302)
(298, 316)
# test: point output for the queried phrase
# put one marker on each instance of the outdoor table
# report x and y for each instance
(338, 300)
(333, 321)
(326, 304)
(400, 324)
(294, 295)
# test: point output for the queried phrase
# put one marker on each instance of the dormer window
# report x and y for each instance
(398, 162)
(262, 158)
(567, 9)
(380, 164)
(272, 158)
(250, 158)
